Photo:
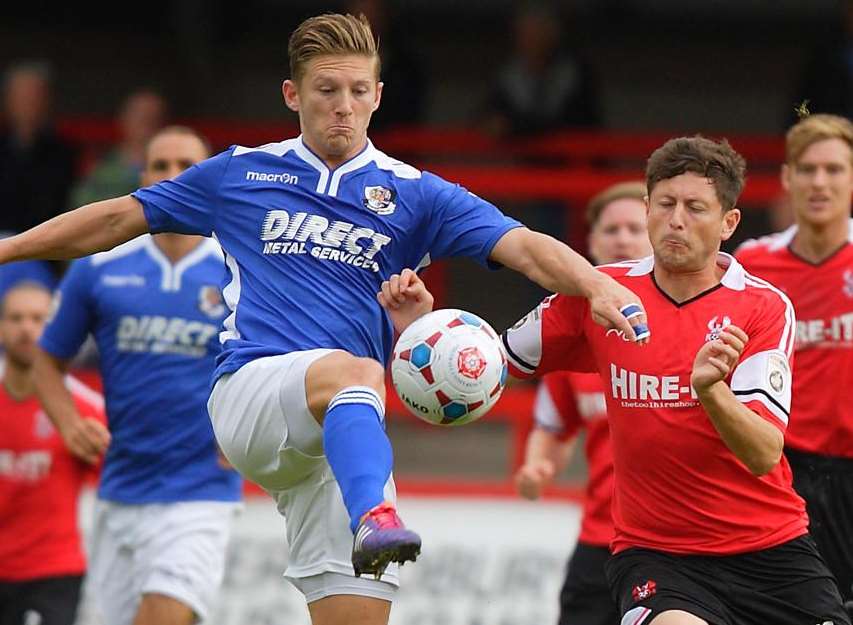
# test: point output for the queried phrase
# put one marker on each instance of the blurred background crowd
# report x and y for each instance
(535, 106)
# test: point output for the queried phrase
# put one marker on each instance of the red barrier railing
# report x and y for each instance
(577, 147)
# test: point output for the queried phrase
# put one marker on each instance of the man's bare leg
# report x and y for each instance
(157, 609)
(349, 610)
(677, 617)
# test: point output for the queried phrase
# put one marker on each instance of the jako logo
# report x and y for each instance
(261, 176)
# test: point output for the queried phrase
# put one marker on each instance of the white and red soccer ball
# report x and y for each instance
(449, 367)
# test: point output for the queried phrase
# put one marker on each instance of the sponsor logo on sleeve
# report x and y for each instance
(777, 373)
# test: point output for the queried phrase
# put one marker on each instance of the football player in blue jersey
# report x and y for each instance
(165, 501)
(311, 227)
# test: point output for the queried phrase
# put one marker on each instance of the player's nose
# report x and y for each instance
(344, 105)
(676, 216)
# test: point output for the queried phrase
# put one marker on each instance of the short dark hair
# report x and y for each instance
(717, 161)
(177, 129)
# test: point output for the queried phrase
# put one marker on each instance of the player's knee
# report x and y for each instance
(364, 372)
(337, 371)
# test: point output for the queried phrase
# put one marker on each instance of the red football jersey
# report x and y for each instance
(565, 403)
(822, 401)
(40, 482)
(678, 488)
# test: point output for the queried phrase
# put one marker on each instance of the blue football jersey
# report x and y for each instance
(307, 248)
(156, 325)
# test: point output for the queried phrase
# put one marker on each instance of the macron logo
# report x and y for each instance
(262, 176)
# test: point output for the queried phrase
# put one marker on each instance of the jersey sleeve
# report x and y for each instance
(90, 403)
(762, 378)
(71, 312)
(460, 223)
(185, 204)
(550, 338)
(555, 409)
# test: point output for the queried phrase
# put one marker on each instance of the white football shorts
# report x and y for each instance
(263, 425)
(172, 549)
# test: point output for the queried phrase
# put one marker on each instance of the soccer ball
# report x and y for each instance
(449, 367)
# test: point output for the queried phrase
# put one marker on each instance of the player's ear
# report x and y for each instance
(731, 219)
(290, 94)
(379, 86)
(785, 177)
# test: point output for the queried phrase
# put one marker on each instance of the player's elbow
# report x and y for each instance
(533, 254)
(765, 460)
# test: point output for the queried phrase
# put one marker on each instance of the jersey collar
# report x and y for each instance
(330, 179)
(734, 278)
(171, 274)
(786, 237)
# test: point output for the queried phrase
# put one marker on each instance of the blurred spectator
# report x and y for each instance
(780, 213)
(41, 556)
(827, 79)
(36, 165)
(542, 87)
(141, 115)
(403, 101)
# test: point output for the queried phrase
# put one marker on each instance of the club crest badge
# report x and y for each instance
(380, 200)
(43, 425)
(716, 326)
(210, 302)
(848, 284)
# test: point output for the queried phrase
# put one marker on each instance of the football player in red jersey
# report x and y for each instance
(812, 262)
(708, 527)
(41, 560)
(568, 402)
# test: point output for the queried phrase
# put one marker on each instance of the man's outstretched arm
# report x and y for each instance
(91, 228)
(556, 267)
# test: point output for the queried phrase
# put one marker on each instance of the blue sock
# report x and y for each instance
(357, 448)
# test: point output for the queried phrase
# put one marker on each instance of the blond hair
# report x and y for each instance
(814, 128)
(330, 34)
(633, 190)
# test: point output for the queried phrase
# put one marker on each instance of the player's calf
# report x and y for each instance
(360, 455)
